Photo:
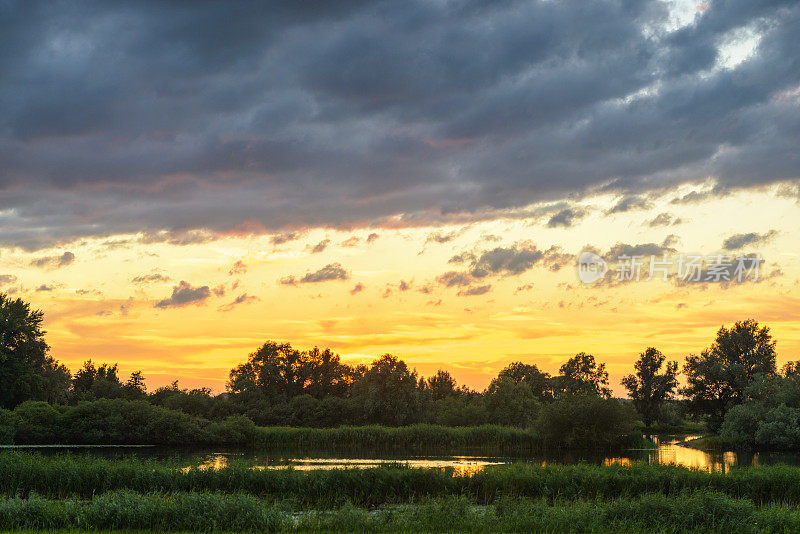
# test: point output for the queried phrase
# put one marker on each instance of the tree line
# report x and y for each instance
(282, 385)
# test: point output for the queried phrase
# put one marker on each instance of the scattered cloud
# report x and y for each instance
(630, 203)
(525, 287)
(184, 294)
(282, 238)
(358, 288)
(239, 268)
(241, 299)
(739, 241)
(566, 218)
(438, 237)
(664, 219)
(7, 279)
(54, 262)
(332, 271)
(45, 287)
(350, 242)
(474, 291)
(150, 278)
(454, 278)
(321, 246)
(641, 249)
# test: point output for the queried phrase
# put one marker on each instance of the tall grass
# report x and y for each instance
(84, 476)
(414, 437)
(202, 512)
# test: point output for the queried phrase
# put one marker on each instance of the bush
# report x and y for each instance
(234, 430)
(37, 422)
(586, 421)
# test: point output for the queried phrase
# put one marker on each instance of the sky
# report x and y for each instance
(181, 182)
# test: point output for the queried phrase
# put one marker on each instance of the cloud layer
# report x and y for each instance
(242, 116)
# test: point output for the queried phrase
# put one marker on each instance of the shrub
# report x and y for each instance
(586, 421)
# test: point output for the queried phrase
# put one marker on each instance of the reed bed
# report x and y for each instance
(206, 512)
(84, 476)
(413, 437)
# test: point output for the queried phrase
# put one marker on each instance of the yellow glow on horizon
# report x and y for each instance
(95, 310)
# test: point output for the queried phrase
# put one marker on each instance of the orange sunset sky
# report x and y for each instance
(181, 183)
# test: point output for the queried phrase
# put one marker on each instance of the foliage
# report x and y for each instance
(26, 369)
(25, 474)
(649, 389)
(581, 375)
(719, 377)
(388, 392)
(511, 403)
(278, 371)
(585, 421)
(701, 511)
(538, 382)
(770, 418)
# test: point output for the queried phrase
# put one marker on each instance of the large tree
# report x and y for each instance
(280, 372)
(27, 371)
(388, 392)
(718, 378)
(528, 374)
(647, 387)
(582, 375)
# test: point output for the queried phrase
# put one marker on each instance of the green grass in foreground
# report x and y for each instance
(203, 512)
(85, 476)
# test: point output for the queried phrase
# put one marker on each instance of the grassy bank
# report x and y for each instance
(414, 437)
(202, 512)
(84, 476)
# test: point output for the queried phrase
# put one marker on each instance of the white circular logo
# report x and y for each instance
(591, 267)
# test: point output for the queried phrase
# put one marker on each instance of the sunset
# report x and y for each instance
(248, 218)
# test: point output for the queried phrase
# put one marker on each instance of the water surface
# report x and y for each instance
(668, 449)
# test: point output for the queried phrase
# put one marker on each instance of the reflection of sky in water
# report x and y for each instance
(668, 450)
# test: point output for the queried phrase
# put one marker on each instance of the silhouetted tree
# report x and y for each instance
(279, 372)
(581, 375)
(511, 403)
(92, 382)
(719, 377)
(647, 387)
(440, 385)
(388, 392)
(26, 369)
(529, 374)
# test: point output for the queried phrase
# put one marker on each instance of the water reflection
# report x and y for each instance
(666, 450)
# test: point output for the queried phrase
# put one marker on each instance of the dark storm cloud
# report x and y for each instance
(184, 120)
(332, 271)
(185, 295)
(738, 241)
